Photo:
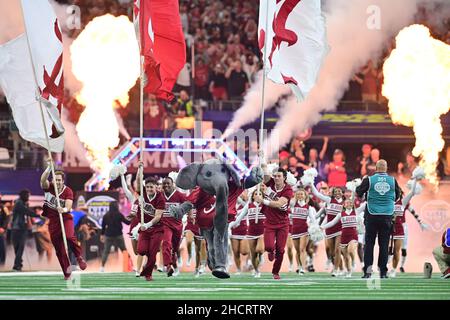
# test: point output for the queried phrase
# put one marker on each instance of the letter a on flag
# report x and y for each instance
(294, 42)
(24, 87)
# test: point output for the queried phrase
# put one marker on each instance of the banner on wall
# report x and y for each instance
(94, 205)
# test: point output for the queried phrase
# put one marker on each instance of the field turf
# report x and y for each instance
(316, 286)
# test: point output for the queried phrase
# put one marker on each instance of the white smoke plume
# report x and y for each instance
(251, 108)
(354, 35)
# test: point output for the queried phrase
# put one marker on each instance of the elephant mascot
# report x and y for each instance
(217, 178)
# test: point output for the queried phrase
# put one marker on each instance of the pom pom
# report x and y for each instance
(357, 182)
(116, 171)
(311, 172)
(417, 190)
(418, 173)
(290, 179)
(350, 185)
(173, 175)
(309, 176)
(315, 233)
(307, 180)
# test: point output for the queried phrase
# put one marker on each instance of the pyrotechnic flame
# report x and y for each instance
(105, 58)
(417, 84)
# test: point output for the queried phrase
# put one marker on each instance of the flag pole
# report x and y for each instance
(261, 130)
(141, 138)
(58, 204)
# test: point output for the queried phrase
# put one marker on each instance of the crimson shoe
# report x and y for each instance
(82, 263)
(271, 256)
(446, 274)
(276, 276)
(148, 278)
(170, 271)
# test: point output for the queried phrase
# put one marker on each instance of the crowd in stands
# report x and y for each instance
(221, 38)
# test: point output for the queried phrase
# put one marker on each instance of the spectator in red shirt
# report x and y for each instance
(370, 83)
(201, 80)
(154, 118)
(337, 175)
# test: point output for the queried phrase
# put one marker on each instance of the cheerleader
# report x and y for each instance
(255, 231)
(239, 244)
(301, 210)
(132, 196)
(290, 244)
(405, 240)
(192, 234)
(398, 236)
(348, 194)
(348, 218)
(334, 205)
(321, 214)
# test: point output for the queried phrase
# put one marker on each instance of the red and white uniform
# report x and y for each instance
(173, 228)
(193, 227)
(174, 199)
(290, 220)
(150, 240)
(300, 213)
(276, 225)
(240, 231)
(333, 209)
(205, 205)
(255, 229)
(399, 213)
(157, 202)
(233, 194)
(349, 224)
(54, 227)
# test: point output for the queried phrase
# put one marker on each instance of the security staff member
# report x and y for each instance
(381, 191)
(21, 212)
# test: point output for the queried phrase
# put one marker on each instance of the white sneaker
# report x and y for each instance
(176, 272)
(257, 274)
(196, 274)
(253, 272)
(238, 272)
(102, 269)
(393, 273)
(301, 272)
(334, 273)
(201, 270)
(348, 275)
(137, 273)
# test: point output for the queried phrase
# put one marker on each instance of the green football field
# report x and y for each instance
(50, 285)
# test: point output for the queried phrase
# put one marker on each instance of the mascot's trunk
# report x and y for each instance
(221, 218)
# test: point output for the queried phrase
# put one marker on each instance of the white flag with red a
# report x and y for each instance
(294, 42)
(24, 87)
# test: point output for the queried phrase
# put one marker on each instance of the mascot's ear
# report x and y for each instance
(187, 177)
(234, 174)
